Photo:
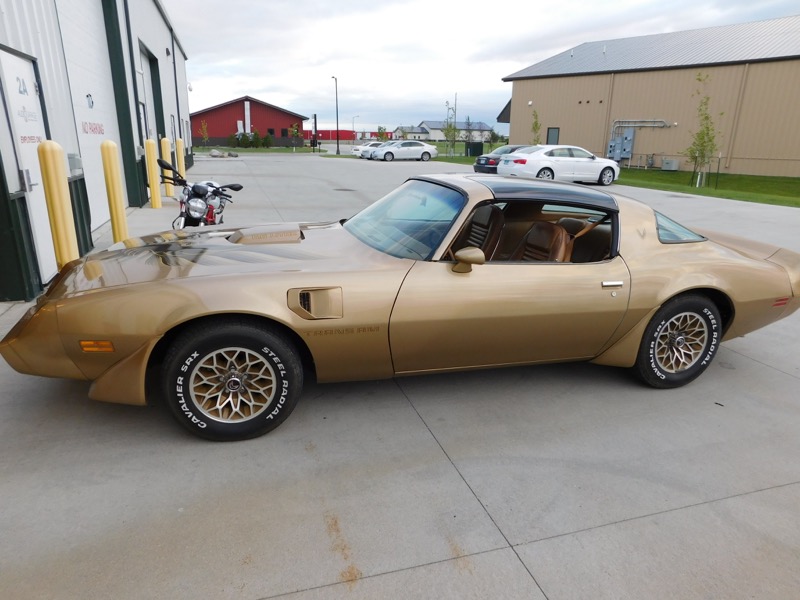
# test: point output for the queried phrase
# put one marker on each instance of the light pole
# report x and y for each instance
(336, 87)
(354, 128)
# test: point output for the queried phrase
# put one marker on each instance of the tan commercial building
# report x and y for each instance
(636, 99)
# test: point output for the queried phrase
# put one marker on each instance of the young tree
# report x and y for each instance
(536, 128)
(203, 131)
(467, 131)
(382, 135)
(450, 132)
(704, 141)
(494, 137)
(255, 138)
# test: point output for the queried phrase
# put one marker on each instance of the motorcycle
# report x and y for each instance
(200, 203)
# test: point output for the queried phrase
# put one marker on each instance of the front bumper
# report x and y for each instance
(34, 347)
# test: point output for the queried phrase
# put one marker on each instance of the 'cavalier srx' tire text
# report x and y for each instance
(680, 342)
(231, 380)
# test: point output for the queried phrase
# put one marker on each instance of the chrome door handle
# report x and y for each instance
(613, 284)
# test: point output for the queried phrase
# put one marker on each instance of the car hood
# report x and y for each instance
(206, 251)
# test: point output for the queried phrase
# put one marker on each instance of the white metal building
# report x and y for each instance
(79, 72)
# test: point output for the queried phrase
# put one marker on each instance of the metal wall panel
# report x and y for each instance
(32, 28)
(753, 107)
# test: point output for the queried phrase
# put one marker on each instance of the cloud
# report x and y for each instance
(398, 61)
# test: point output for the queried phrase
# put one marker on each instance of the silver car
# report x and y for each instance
(359, 150)
(406, 150)
(367, 151)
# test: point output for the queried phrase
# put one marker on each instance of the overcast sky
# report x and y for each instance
(398, 61)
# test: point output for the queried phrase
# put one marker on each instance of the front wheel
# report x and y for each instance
(680, 342)
(606, 176)
(426, 156)
(545, 174)
(231, 380)
(388, 157)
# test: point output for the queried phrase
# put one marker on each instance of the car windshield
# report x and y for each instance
(410, 222)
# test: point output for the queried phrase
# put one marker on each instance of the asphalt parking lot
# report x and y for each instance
(557, 482)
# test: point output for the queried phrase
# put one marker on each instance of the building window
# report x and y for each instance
(552, 135)
(284, 133)
(271, 131)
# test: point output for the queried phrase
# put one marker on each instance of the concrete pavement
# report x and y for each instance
(558, 482)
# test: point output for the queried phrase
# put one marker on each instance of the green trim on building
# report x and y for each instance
(133, 183)
(81, 214)
(19, 269)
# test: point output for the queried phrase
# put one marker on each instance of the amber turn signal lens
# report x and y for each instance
(97, 346)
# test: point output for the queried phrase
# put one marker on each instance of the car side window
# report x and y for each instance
(670, 232)
(578, 153)
(537, 232)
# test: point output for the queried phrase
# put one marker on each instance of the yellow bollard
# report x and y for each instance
(166, 154)
(111, 169)
(53, 165)
(150, 156)
(180, 163)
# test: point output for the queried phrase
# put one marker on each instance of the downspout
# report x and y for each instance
(177, 93)
(609, 101)
(737, 110)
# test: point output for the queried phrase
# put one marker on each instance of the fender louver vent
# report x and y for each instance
(316, 303)
(305, 301)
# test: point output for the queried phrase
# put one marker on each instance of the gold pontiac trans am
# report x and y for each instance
(447, 272)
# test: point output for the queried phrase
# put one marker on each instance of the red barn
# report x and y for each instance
(245, 115)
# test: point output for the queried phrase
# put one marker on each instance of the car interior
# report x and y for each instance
(536, 231)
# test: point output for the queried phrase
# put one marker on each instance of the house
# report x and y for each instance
(215, 125)
(637, 100)
(434, 131)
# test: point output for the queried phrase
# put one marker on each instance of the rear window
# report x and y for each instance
(670, 232)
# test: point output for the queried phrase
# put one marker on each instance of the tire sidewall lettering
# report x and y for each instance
(189, 410)
(710, 350)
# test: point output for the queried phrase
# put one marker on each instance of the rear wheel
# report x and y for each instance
(606, 176)
(231, 380)
(680, 342)
(388, 157)
(545, 174)
(425, 156)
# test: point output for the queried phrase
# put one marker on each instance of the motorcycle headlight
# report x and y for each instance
(196, 207)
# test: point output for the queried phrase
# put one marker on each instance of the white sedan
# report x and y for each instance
(406, 150)
(367, 151)
(565, 163)
(365, 147)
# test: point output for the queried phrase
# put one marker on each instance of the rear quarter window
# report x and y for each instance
(670, 232)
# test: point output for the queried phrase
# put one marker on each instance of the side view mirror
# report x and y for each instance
(466, 257)
(165, 165)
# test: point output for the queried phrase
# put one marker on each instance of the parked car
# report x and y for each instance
(369, 146)
(564, 163)
(445, 273)
(487, 163)
(367, 152)
(406, 150)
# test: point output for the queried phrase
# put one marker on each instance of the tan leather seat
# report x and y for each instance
(589, 242)
(544, 241)
(483, 230)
